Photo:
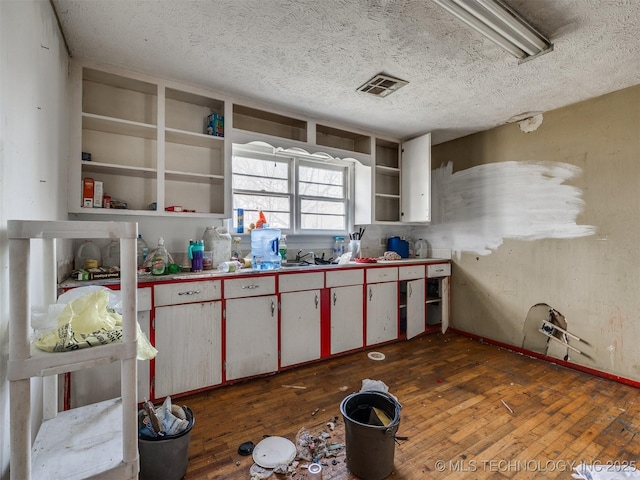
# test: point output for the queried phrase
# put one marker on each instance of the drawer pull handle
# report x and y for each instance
(190, 292)
(273, 308)
(316, 301)
(250, 287)
(335, 297)
(410, 290)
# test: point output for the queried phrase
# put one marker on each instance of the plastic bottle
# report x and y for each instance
(160, 259)
(88, 256)
(339, 247)
(282, 248)
(421, 248)
(236, 252)
(217, 246)
(111, 254)
(143, 250)
(196, 254)
(265, 253)
(228, 267)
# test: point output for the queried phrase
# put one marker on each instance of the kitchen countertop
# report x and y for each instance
(148, 278)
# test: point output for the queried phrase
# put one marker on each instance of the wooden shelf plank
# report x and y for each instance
(115, 169)
(193, 177)
(194, 139)
(119, 126)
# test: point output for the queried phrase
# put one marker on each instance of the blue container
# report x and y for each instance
(265, 251)
(401, 247)
(196, 254)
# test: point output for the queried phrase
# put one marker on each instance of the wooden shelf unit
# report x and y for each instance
(149, 145)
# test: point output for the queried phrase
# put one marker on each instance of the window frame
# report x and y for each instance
(295, 160)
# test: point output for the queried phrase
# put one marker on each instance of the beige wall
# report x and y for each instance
(593, 280)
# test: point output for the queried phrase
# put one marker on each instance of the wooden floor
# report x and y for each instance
(452, 391)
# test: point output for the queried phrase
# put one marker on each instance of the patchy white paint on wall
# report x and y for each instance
(530, 124)
(476, 209)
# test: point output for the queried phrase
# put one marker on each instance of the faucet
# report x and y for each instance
(311, 255)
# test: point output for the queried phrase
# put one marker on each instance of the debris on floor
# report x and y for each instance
(603, 472)
(278, 458)
(315, 447)
(246, 448)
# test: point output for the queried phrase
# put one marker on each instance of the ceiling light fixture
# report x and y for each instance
(501, 24)
(381, 85)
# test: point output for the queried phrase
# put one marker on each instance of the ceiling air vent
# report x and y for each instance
(382, 85)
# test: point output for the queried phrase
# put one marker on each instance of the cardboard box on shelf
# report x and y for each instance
(97, 194)
(87, 192)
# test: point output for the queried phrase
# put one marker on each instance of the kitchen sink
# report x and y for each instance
(307, 265)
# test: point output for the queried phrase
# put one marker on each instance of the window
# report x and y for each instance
(300, 195)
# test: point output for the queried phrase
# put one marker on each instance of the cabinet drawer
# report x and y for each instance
(388, 274)
(295, 282)
(341, 279)
(186, 292)
(439, 270)
(144, 299)
(411, 272)
(250, 287)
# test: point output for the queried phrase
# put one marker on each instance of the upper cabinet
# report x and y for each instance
(157, 148)
(267, 123)
(397, 188)
(151, 146)
(415, 177)
(343, 139)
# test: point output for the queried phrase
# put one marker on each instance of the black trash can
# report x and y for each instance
(370, 445)
(165, 458)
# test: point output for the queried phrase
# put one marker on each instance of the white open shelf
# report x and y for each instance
(91, 438)
(98, 441)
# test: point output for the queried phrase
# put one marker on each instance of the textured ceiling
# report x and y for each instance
(311, 55)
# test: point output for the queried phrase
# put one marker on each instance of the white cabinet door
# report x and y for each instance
(189, 342)
(299, 327)
(382, 312)
(251, 336)
(416, 179)
(445, 303)
(415, 308)
(346, 318)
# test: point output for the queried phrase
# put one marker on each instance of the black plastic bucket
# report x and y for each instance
(370, 447)
(165, 458)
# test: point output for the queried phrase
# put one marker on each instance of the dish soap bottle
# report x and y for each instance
(283, 248)
(160, 259)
